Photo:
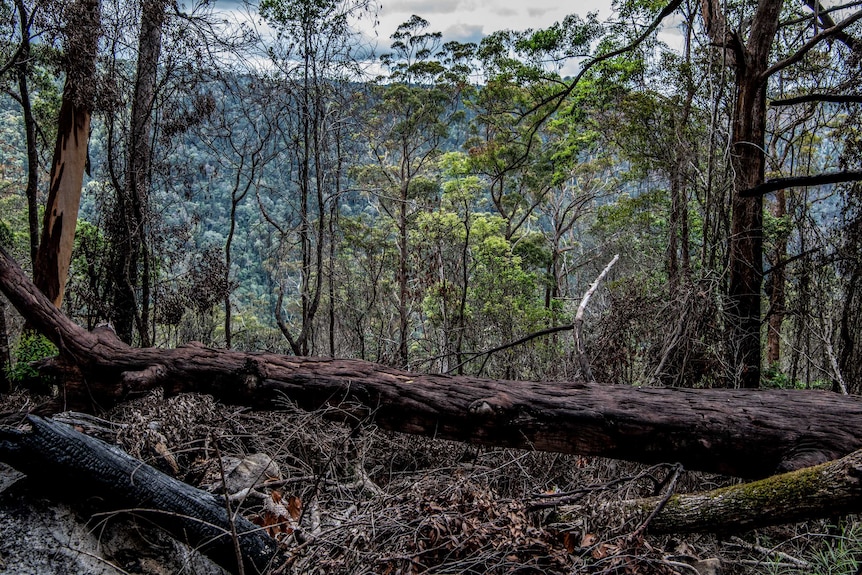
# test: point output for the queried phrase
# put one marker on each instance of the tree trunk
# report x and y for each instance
(777, 287)
(750, 62)
(747, 433)
(70, 153)
(748, 161)
(32, 191)
(746, 240)
(403, 288)
(818, 492)
(130, 234)
(89, 467)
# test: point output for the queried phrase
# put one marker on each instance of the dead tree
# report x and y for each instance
(747, 433)
(818, 492)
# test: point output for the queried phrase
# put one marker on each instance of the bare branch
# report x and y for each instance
(586, 372)
(818, 97)
(827, 33)
(802, 182)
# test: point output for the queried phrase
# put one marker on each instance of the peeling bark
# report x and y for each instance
(54, 255)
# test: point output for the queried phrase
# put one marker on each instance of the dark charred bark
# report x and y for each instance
(751, 63)
(89, 467)
(5, 357)
(775, 184)
(130, 236)
(748, 161)
(817, 97)
(747, 433)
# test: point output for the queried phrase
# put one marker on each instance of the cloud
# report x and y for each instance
(505, 12)
(464, 33)
(423, 7)
(230, 5)
(537, 11)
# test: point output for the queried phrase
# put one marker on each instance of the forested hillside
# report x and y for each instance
(276, 194)
(670, 197)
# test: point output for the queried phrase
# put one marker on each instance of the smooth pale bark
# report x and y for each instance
(749, 433)
(70, 153)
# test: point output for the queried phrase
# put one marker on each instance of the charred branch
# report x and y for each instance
(801, 182)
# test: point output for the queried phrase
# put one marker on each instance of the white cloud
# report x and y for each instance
(461, 17)
(464, 33)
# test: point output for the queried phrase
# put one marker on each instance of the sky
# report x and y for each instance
(460, 20)
(471, 20)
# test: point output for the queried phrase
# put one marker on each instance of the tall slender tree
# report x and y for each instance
(753, 66)
(317, 57)
(129, 237)
(70, 153)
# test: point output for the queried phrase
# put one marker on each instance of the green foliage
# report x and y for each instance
(777, 229)
(635, 224)
(571, 38)
(6, 236)
(31, 347)
(776, 378)
(836, 552)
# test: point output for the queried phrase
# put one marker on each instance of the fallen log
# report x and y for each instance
(747, 433)
(818, 492)
(75, 465)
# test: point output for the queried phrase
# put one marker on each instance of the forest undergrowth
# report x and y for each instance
(350, 498)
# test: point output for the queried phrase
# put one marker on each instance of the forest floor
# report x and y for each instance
(355, 499)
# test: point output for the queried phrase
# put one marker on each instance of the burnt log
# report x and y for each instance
(746, 433)
(56, 454)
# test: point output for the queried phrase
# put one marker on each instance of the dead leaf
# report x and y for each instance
(588, 540)
(294, 507)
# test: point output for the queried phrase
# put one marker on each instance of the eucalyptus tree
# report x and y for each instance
(760, 44)
(23, 60)
(159, 58)
(411, 112)
(70, 161)
(130, 238)
(15, 60)
(238, 137)
(776, 37)
(318, 55)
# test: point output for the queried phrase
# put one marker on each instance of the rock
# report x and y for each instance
(710, 566)
(41, 537)
(246, 473)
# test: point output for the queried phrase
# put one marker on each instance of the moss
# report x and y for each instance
(746, 505)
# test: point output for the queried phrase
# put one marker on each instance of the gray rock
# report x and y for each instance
(39, 536)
